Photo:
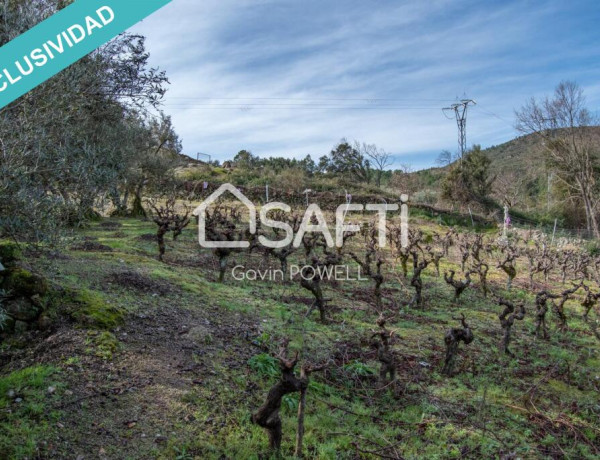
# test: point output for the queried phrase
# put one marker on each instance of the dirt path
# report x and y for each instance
(134, 405)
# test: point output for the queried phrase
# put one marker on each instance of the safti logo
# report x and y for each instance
(313, 213)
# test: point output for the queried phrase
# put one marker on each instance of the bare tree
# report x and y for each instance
(445, 158)
(381, 159)
(563, 123)
(403, 180)
(509, 187)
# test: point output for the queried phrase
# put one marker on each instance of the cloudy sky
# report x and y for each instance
(291, 78)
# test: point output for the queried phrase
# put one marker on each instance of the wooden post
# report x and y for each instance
(267, 192)
(505, 228)
(348, 202)
(553, 232)
(300, 431)
(306, 192)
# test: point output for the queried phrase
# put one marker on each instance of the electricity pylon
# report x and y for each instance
(460, 113)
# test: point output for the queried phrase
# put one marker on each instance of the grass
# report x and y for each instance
(538, 405)
(27, 417)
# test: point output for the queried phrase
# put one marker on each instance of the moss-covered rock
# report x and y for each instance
(90, 309)
(44, 322)
(9, 252)
(19, 282)
(23, 309)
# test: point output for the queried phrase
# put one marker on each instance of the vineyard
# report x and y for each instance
(459, 345)
(319, 230)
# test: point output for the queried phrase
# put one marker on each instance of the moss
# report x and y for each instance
(22, 283)
(102, 344)
(9, 252)
(92, 310)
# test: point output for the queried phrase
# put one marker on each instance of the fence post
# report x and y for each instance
(553, 232)
(505, 227)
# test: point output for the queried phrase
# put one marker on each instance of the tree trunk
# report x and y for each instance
(138, 209)
(160, 237)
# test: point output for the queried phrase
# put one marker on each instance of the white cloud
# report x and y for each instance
(413, 55)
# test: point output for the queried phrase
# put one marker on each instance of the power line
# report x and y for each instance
(290, 107)
(306, 99)
(492, 114)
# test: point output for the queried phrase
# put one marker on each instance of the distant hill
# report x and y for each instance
(520, 154)
(523, 154)
(521, 161)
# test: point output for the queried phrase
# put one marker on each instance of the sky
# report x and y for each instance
(292, 78)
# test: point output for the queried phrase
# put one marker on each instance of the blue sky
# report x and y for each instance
(291, 78)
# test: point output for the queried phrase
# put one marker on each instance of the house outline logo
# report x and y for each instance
(200, 212)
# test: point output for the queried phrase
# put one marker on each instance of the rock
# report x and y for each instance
(2, 269)
(18, 400)
(11, 394)
(22, 310)
(51, 390)
(22, 283)
(21, 327)
(37, 301)
(44, 323)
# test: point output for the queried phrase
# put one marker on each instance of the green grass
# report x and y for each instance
(24, 424)
(494, 406)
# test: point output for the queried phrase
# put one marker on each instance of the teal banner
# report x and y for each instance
(64, 38)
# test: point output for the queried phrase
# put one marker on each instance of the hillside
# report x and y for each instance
(519, 169)
(149, 359)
